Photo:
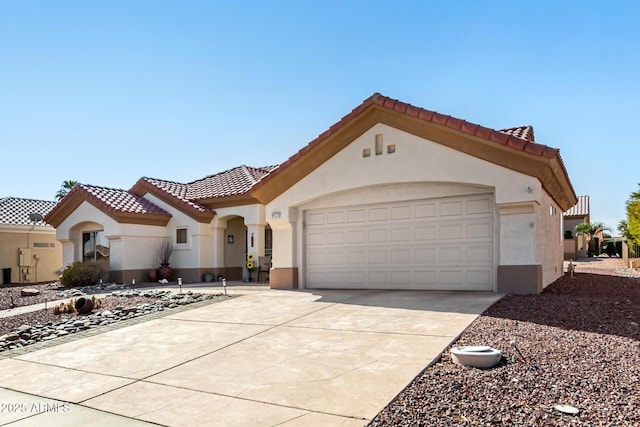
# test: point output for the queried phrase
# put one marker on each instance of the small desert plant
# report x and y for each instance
(65, 308)
(97, 302)
(164, 250)
(83, 273)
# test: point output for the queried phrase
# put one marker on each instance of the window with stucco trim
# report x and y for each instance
(181, 236)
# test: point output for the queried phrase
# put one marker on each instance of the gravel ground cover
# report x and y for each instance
(10, 296)
(580, 346)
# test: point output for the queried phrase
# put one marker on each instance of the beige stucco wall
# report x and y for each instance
(49, 261)
(549, 249)
(418, 169)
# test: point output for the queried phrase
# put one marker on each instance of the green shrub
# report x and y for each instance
(611, 249)
(84, 273)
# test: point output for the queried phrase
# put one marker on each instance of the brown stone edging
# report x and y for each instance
(110, 327)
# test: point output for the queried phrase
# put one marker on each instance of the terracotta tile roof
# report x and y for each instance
(522, 132)
(232, 182)
(580, 209)
(15, 211)
(520, 140)
(116, 200)
(228, 183)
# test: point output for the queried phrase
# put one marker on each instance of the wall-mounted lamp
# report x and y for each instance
(529, 190)
(275, 215)
(230, 238)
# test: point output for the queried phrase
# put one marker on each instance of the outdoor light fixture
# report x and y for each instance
(180, 283)
(275, 215)
(224, 285)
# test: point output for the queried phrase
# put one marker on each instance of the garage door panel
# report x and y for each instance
(378, 279)
(451, 255)
(356, 216)
(316, 258)
(479, 254)
(452, 208)
(426, 210)
(427, 244)
(335, 217)
(451, 231)
(426, 233)
(378, 235)
(378, 214)
(401, 212)
(479, 230)
(335, 238)
(356, 257)
(401, 234)
(316, 239)
(379, 257)
(478, 206)
(451, 277)
(400, 277)
(400, 256)
(425, 256)
(356, 237)
(335, 257)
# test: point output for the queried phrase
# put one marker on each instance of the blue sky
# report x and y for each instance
(107, 92)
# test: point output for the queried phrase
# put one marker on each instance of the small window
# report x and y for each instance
(268, 241)
(379, 142)
(181, 235)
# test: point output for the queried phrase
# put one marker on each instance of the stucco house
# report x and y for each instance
(392, 196)
(29, 251)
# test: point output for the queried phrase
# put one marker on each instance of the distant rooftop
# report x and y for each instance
(16, 211)
(580, 209)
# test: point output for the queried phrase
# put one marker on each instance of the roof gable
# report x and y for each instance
(120, 205)
(512, 148)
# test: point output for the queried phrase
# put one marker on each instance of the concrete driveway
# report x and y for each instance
(286, 358)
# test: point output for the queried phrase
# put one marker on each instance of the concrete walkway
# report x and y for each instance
(293, 358)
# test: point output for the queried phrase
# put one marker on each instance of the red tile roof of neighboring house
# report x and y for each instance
(523, 132)
(580, 209)
(16, 211)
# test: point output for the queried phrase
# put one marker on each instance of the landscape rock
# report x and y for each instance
(29, 292)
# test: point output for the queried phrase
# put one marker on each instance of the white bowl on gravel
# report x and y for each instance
(478, 356)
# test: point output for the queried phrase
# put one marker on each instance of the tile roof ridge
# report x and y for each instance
(26, 199)
(490, 134)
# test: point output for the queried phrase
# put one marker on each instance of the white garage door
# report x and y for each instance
(437, 244)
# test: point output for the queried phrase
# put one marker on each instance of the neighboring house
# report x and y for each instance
(391, 197)
(29, 251)
(576, 245)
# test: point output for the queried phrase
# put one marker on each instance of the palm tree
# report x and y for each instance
(67, 185)
(590, 229)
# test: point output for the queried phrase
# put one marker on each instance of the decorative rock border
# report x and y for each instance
(27, 335)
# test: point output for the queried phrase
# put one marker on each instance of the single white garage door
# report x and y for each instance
(435, 244)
